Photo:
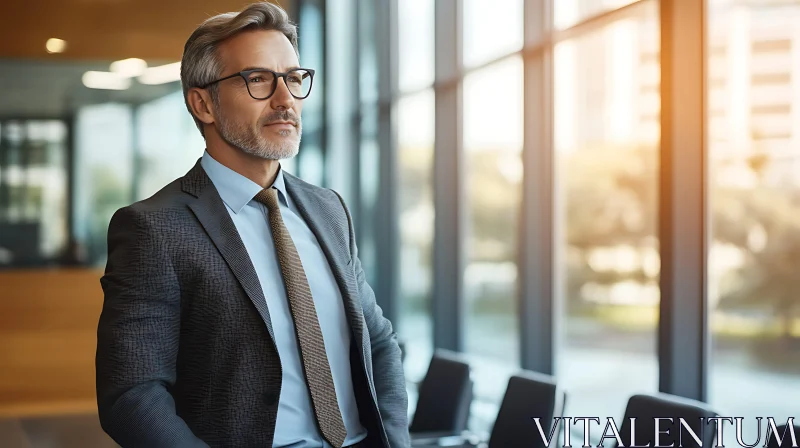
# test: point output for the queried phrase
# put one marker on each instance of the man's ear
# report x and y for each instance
(200, 102)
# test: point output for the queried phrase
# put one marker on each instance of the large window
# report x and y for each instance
(125, 153)
(415, 200)
(415, 44)
(104, 172)
(606, 140)
(310, 160)
(414, 112)
(754, 158)
(491, 29)
(33, 192)
(588, 75)
(491, 130)
(169, 143)
(369, 168)
(341, 99)
(493, 175)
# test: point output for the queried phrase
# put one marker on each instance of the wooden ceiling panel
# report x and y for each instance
(106, 29)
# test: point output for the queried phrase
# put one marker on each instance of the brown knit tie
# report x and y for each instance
(309, 335)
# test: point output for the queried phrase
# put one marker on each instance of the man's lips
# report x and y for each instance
(281, 125)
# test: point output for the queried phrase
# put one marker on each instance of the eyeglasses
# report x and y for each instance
(262, 83)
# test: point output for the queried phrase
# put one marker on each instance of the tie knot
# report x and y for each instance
(268, 197)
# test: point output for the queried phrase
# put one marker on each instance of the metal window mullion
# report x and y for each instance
(365, 217)
(536, 302)
(387, 235)
(354, 123)
(683, 340)
(448, 172)
(341, 99)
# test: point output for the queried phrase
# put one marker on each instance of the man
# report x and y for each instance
(236, 312)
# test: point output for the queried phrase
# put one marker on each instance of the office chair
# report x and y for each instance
(444, 399)
(785, 436)
(646, 408)
(528, 395)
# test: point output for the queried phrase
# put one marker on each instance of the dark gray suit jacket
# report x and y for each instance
(185, 350)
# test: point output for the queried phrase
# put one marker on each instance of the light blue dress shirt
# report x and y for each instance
(296, 425)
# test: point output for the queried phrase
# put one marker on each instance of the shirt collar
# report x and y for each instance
(234, 189)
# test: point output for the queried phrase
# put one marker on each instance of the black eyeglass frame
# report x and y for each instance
(245, 73)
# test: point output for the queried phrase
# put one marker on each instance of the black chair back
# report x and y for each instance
(528, 395)
(787, 441)
(445, 395)
(646, 408)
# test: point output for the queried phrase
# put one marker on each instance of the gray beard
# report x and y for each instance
(252, 142)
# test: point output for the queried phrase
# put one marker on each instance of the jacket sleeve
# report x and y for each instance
(390, 384)
(137, 338)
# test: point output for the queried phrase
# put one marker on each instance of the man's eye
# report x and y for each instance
(256, 79)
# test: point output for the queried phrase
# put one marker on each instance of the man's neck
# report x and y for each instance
(260, 171)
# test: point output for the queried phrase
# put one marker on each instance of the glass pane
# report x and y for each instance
(104, 173)
(10, 162)
(492, 145)
(569, 12)
(491, 29)
(33, 189)
(169, 143)
(369, 185)
(369, 148)
(309, 162)
(311, 50)
(416, 44)
(754, 157)
(606, 136)
(341, 99)
(368, 53)
(47, 183)
(415, 123)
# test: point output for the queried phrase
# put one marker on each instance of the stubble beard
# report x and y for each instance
(252, 141)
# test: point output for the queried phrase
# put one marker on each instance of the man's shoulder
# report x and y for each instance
(169, 198)
(160, 209)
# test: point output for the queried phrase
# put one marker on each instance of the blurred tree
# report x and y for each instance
(494, 207)
(610, 199)
(764, 221)
(609, 196)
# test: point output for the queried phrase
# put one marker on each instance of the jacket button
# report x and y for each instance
(270, 398)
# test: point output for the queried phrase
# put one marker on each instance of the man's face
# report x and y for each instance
(270, 128)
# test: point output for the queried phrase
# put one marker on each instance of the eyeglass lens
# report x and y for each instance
(262, 84)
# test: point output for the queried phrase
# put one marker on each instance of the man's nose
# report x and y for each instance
(282, 98)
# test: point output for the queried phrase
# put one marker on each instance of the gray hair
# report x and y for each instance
(201, 64)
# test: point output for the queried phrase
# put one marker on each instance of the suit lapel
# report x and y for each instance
(213, 216)
(333, 237)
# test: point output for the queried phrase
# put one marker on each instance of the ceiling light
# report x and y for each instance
(54, 45)
(161, 74)
(129, 67)
(105, 80)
